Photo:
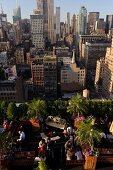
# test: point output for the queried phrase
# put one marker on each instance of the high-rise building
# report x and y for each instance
(37, 32)
(50, 76)
(92, 18)
(57, 22)
(68, 23)
(109, 23)
(46, 7)
(82, 20)
(51, 20)
(17, 14)
(73, 26)
(93, 52)
(99, 75)
(107, 83)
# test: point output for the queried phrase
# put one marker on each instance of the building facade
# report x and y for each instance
(47, 10)
(107, 84)
(37, 32)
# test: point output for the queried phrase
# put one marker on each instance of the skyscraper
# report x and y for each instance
(92, 18)
(37, 29)
(109, 22)
(57, 22)
(68, 23)
(46, 8)
(82, 20)
(17, 13)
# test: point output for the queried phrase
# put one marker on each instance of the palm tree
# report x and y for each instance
(37, 108)
(76, 104)
(87, 133)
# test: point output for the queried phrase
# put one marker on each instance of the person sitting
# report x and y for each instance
(42, 149)
(68, 145)
(69, 154)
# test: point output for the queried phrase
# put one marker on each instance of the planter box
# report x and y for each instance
(24, 154)
(2, 163)
(90, 162)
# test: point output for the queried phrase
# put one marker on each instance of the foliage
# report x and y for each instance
(11, 111)
(22, 110)
(3, 109)
(6, 142)
(37, 108)
(87, 133)
(42, 166)
(76, 104)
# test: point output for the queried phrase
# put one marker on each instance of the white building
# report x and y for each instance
(37, 33)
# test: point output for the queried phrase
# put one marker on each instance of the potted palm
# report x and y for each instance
(77, 107)
(86, 135)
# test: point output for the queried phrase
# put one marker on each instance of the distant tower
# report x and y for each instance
(46, 8)
(68, 23)
(82, 20)
(17, 13)
(57, 22)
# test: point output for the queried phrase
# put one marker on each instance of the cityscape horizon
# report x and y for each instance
(67, 6)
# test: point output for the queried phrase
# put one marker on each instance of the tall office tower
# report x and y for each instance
(17, 14)
(47, 10)
(37, 29)
(73, 26)
(107, 84)
(92, 18)
(109, 22)
(51, 20)
(3, 26)
(68, 23)
(57, 22)
(82, 20)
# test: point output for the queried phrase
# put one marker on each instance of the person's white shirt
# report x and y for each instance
(22, 136)
(78, 154)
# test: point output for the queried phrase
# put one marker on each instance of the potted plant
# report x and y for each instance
(41, 166)
(86, 135)
(5, 147)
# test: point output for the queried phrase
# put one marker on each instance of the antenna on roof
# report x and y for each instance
(17, 4)
(2, 9)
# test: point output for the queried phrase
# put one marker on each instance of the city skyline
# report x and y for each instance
(71, 6)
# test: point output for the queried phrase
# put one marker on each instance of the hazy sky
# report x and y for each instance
(72, 6)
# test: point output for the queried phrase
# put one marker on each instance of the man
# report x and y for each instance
(20, 141)
(22, 136)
